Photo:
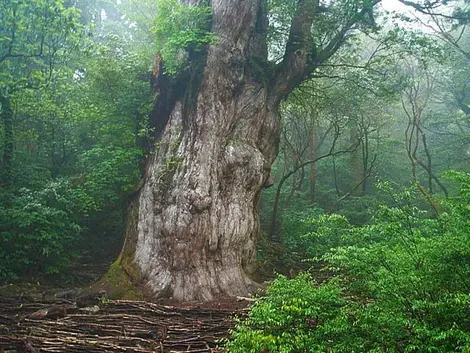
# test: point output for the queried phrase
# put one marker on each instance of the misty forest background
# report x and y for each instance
(372, 186)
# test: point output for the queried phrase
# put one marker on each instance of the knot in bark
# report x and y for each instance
(199, 202)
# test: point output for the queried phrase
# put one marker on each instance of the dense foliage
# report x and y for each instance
(400, 284)
(180, 33)
(40, 228)
(386, 270)
(74, 108)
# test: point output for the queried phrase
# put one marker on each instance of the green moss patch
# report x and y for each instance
(120, 283)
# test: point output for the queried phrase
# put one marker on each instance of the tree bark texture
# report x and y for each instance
(194, 224)
(198, 221)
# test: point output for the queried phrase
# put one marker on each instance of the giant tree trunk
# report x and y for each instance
(197, 222)
(193, 227)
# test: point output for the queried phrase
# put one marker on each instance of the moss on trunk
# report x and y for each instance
(122, 281)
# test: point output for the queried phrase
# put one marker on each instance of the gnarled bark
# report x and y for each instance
(197, 223)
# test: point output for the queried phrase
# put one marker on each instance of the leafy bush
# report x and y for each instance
(402, 284)
(414, 272)
(295, 223)
(41, 228)
(181, 28)
(38, 229)
(292, 317)
(308, 234)
(110, 173)
(327, 232)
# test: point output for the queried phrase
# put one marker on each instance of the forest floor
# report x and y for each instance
(34, 319)
(113, 326)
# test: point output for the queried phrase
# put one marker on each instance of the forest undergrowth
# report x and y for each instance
(398, 284)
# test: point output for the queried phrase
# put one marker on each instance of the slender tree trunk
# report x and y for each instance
(301, 179)
(365, 158)
(8, 141)
(55, 158)
(356, 161)
(313, 156)
(335, 177)
(295, 182)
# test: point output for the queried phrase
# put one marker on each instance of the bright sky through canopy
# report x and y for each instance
(394, 5)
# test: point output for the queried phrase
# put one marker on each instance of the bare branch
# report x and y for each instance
(331, 153)
(429, 7)
(362, 181)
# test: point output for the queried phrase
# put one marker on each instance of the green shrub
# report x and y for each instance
(111, 173)
(181, 29)
(295, 223)
(402, 284)
(327, 232)
(414, 275)
(292, 317)
(40, 228)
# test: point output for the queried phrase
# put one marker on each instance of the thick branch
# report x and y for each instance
(301, 56)
(429, 7)
(297, 58)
